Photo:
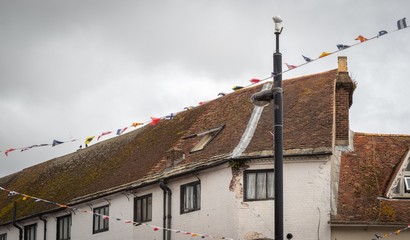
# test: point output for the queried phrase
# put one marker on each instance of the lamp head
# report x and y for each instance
(262, 98)
(277, 20)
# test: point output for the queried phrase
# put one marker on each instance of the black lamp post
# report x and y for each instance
(263, 98)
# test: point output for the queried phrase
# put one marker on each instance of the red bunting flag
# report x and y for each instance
(154, 120)
(106, 217)
(361, 38)
(9, 150)
(254, 80)
(290, 66)
(155, 229)
(103, 134)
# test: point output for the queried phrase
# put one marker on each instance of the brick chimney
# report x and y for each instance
(344, 99)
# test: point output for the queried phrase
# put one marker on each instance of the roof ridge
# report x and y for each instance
(382, 134)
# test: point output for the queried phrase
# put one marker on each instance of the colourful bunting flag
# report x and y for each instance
(201, 103)
(341, 46)
(171, 116)
(9, 150)
(103, 134)
(189, 108)
(121, 131)
(24, 198)
(381, 33)
(55, 142)
(324, 54)
(236, 88)
(307, 59)
(127, 221)
(401, 23)
(136, 124)
(290, 66)
(221, 94)
(361, 38)
(254, 80)
(155, 229)
(88, 140)
(154, 120)
(105, 217)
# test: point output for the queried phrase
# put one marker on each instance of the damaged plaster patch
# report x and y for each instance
(253, 235)
(236, 184)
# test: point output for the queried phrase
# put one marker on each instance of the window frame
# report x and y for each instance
(206, 138)
(3, 236)
(97, 217)
(245, 184)
(406, 180)
(65, 228)
(31, 227)
(147, 197)
(196, 196)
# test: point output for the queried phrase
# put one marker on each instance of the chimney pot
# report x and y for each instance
(342, 64)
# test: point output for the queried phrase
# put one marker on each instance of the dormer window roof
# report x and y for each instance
(206, 137)
(400, 186)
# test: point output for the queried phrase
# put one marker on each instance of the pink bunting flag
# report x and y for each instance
(103, 134)
(254, 80)
(9, 150)
(155, 229)
(290, 66)
(154, 120)
(200, 103)
(127, 221)
(105, 217)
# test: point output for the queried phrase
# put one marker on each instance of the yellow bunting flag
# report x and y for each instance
(89, 139)
(24, 198)
(324, 54)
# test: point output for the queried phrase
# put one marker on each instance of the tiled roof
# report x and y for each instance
(141, 154)
(365, 175)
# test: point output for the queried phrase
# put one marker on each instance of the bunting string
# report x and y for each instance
(26, 197)
(401, 24)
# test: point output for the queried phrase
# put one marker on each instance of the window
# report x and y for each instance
(259, 185)
(3, 236)
(100, 220)
(64, 228)
(143, 209)
(407, 184)
(400, 186)
(30, 232)
(207, 137)
(190, 197)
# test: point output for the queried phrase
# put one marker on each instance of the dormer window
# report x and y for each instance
(400, 186)
(206, 137)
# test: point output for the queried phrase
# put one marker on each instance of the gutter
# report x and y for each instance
(45, 226)
(15, 222)
(168, 217)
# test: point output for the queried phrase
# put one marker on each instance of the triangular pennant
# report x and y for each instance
(341, 46)
(88, 140)
(103, 134)
(361, 38)
(56, 142)
(307, 59)
(154, 120)
(136, 124)
(9, 150)
(290, 66)
(254, 80)
(324, 54)
(236, 88)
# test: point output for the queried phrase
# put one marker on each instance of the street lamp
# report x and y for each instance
(263, 98)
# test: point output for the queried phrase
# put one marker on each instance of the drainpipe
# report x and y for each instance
(45, 226)
(167, 191)
(15, 222)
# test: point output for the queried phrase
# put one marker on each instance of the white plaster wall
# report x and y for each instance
(223, 212)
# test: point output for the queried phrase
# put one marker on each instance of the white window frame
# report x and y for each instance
(400, 186)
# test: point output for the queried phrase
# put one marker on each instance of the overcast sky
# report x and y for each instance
(73, 69)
